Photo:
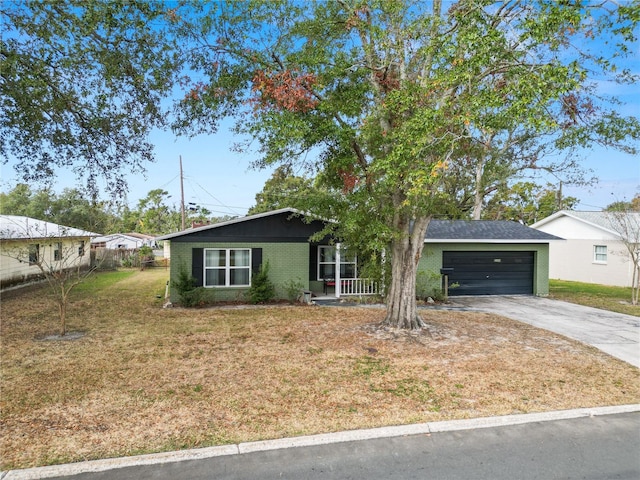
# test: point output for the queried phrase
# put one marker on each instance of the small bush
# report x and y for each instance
(193, 298)
(262, 289)
(293, 289)
(429, 284)
(188, 293)
(146, 257)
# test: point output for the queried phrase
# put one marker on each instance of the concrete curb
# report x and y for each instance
(310, 440)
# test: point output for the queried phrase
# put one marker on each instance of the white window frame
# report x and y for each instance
(601, 254)
(227, 268)
(343, 257)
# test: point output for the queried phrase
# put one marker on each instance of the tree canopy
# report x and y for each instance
(394, 102)
(81, 84)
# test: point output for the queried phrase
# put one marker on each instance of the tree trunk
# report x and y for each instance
(406, 250)
(478, 197)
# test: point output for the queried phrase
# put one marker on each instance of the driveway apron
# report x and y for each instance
(614, 333)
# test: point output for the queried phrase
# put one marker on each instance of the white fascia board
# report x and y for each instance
(493, 241)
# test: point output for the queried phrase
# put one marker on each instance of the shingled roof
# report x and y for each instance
(484, 231)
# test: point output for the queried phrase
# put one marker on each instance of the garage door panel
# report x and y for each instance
(490, 273)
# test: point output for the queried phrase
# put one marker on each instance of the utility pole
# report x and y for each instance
(181, 194)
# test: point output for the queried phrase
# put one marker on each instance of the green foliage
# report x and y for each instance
(624, 206)
(262, 289)
(406, 112)
(429, 284)
(293, 289)
(188, 293)
(82, 84)
(526, 202)
(70, 208)
(155, 216)
(284, 189)
(145, 256)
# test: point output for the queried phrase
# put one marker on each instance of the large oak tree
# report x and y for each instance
(389, 99)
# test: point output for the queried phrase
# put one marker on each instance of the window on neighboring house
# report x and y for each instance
(81, 249)
(57, 251)
(600, 253)
(227, 267)
(34, 253)
(327, 263)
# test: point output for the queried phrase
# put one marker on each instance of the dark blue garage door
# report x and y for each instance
(490, 273)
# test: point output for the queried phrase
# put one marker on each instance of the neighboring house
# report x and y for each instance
(124, 241)
(593, 251)
(27, 242)
(487, 257)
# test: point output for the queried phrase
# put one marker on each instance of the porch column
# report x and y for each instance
(337, 270)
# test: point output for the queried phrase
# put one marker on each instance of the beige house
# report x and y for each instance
(595, 249)
(28, 245)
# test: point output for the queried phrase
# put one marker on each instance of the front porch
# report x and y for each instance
(345, 287)
(336, 273)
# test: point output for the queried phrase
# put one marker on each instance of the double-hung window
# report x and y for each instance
(227, 267)
(600, 253)
(327, 263)
(57, 251)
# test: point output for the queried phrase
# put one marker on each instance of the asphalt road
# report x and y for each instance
(601, 447)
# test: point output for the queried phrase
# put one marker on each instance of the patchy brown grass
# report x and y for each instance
(145, 379)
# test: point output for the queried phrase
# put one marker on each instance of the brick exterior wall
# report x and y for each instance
(287, 262)
(431, 262)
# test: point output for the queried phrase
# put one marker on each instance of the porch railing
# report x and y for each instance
(359, 286)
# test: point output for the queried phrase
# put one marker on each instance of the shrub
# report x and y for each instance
(293, 289)
(145, 254)
(429, 284)
(262, 289)
(185, 285)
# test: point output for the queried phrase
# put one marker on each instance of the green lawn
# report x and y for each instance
(615, 299)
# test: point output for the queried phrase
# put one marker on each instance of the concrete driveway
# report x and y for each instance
(614, 333)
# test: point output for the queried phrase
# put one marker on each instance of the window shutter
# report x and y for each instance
(256, 259)
(313, 262)
(197, 265)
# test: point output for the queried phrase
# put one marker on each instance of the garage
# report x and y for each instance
(488, 257)
(490, 273)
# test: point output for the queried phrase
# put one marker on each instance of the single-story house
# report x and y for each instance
(486, 257)
(27, 244)
(594, 251)
(124, 241)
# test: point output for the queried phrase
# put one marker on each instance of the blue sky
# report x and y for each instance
(221, 180)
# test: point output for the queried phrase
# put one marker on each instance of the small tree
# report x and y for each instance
(185, 285)
(58, 252)
(627, 225)
(262, 289)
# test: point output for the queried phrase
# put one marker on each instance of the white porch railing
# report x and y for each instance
(357, 286)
